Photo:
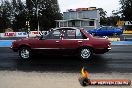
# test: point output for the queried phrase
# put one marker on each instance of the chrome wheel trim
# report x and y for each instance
(85, 53)
(25, 53)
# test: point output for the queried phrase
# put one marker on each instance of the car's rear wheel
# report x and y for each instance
(25, 53)
(86, 53)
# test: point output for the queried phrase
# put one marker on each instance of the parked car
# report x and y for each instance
(62, 41)
(106, 31)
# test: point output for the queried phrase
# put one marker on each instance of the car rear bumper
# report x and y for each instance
(101, 51)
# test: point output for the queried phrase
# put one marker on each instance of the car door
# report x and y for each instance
(71, 42)
(110, 31)
(49, 44)
(102, 31)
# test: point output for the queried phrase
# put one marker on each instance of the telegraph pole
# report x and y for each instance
(37, 14)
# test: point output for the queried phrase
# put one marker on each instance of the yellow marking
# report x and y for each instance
(114, 39)
(127, 32)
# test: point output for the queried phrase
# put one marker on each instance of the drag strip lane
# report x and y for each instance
(119, 59)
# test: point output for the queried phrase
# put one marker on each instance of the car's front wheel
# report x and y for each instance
(25, 53)
(86, 53)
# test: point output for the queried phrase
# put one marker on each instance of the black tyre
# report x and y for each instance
(85, 53)
(25, 53)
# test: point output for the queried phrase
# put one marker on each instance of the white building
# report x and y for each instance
(82, 18)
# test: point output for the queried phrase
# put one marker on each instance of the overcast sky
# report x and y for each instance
(107, 5)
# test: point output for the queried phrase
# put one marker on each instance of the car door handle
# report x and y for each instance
(57, 41)
(79, 41)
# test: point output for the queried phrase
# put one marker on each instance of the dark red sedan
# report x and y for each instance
(62, 41)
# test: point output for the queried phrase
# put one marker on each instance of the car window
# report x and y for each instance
(103, 28)
(69, 34)
(110, 28)
(79, 34)
(73, 34)
(54, 34)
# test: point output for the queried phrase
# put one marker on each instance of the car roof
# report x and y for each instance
(107, 26)
(59, 28)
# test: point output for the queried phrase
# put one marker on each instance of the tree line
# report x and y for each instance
(124, 13)
(15, 13)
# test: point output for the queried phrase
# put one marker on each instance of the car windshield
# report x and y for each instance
(102, 28)
(106, 28)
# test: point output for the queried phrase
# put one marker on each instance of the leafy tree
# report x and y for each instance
(109, 21)
(15, 13)
(126, 9)
(50, 14)
(103, 17)
(19, 13)
(44, 12)
(112, 20)
(5, 9)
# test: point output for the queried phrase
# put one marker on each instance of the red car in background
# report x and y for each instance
(62, 41)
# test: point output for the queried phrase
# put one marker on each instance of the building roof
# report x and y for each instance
(76, 20)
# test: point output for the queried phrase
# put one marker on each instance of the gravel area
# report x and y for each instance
(18, 79)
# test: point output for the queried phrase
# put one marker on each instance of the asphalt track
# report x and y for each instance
(119, 59)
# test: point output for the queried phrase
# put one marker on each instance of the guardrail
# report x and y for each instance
(122, 43)
(6, 43)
